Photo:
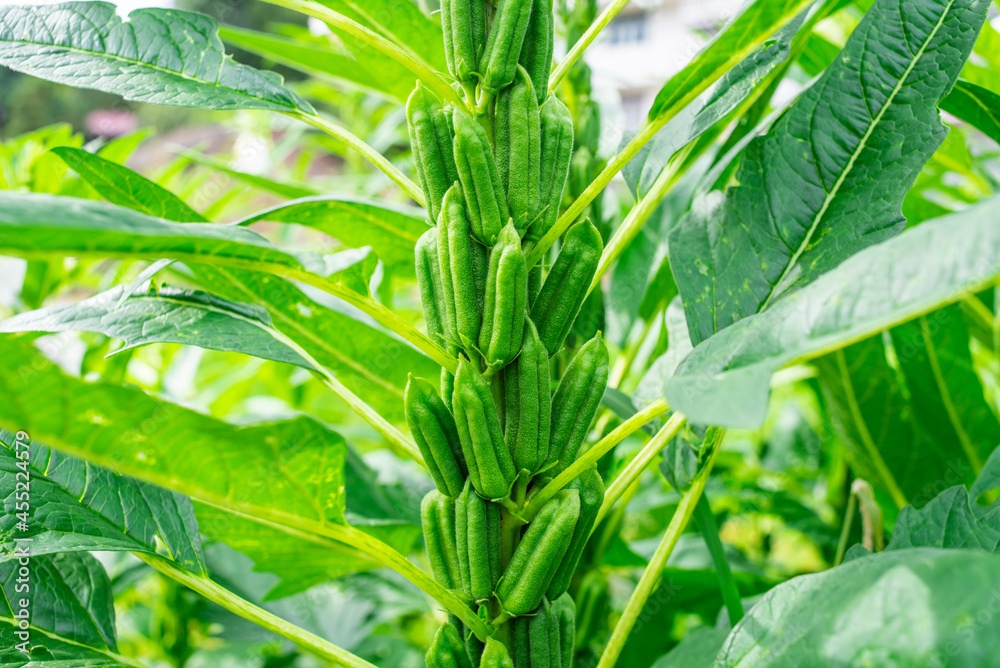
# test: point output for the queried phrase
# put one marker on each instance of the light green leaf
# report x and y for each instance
(391, 231)
(76, 506)
(902, 608)
(697, 649)
(121, 186)
(161, 56)
(828, 180)
(724, 381)
(977, 106)
(285, 188)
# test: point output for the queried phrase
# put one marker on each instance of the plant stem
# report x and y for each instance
(239, 606)
(602, 447)
(635, 468)
(710, 532)
(845, 530)
(585, 41)
(373, 156)
(654, 571)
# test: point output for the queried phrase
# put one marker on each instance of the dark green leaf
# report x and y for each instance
(162, 56)
(977, 106)
(697, 649)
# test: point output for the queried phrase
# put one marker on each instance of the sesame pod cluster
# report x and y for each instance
(500, 426)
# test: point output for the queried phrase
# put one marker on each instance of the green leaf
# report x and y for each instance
(828, 180)
(71, 614)
(284, 188)
(161, 56)
(724, 381)
(391, 231)
(977, 106)
(121, 186)
(77, 506)
(697, 649)
(170, 315)
(902, 608)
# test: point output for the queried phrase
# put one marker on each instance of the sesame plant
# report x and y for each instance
(573, 368)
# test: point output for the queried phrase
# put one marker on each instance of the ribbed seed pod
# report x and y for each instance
(539, 554)
(564, 610)
(433, 149)
(429, 282)
(477, 523)
(477, 170)
(495, 655)
(464, 25)
(447, 386)
(503, 47)
(528, 403)
(491, 468)
(576, 401)
(565, 288)
(434, 430)
(537, 639)
(437, 514)
(557, 148)
(591, 489)
(455, 259)
(447, 650)
(535, 276)
(579, 171)
(506, 301)
(589, 132)
(519, 147)
(539, 43)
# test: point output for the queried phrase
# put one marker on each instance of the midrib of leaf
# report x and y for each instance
(866, 437)
(828, 200)
(66, 641)
(949, 405)
(162, 70)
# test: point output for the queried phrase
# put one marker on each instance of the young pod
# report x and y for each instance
(434, 430)
(591, 488)
(491, 468)
(433, 150)
(456, 251)
(464, 26)
(565, 288)
(539, 554)
(564, 611)
(539, 43)
(447, 386)
(576, 401)
(519, 147)
(429, 283)
(557, 149)
(477, 523)
(503, 47)
(528, 403)
(447, 650)
(538, 639)
(495, 655)
(477, 170)
(437, 515)
(506, 301)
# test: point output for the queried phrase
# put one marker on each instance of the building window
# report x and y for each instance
(628, 29)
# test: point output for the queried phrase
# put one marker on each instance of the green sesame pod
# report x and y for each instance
(589, 134)
(447, 386)
(429, 282)
(477, 170)
(477, 523)
(539, 554)
(519, 147)
(434, 430)
(447, 650)
(506, 301)
(535, 276)
(503, 48)
(491, 468)
(529, 403)
(433, 150)
(564, 610)
(557, 148)
(539, 43)
(475, 647)
(576, 401)
(437, 514)
(579, 171)
(455, 252)
(591, 489)
(537, 639)
(495, 655)
(464, 26)
(558, 303)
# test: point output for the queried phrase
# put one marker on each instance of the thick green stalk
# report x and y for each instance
(584, 42)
